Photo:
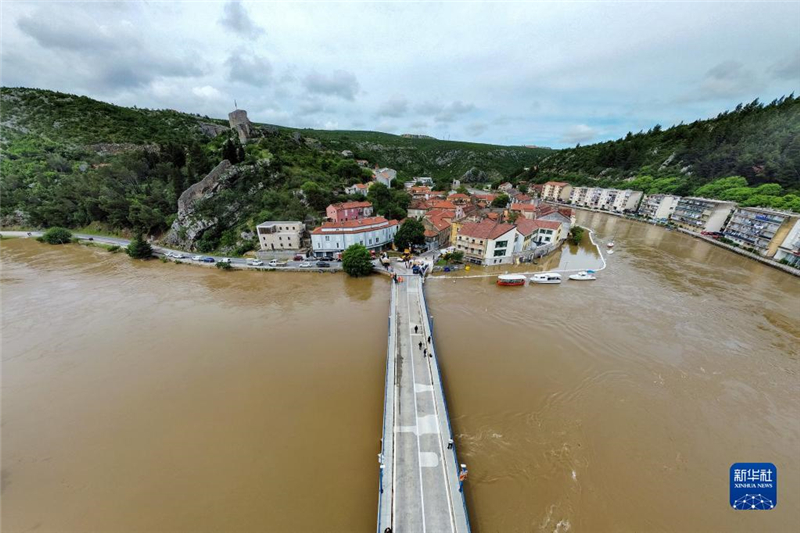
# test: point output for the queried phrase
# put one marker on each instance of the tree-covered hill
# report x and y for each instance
(760, 143)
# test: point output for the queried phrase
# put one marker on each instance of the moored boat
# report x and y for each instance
(583, 276)
(511, 279)
(546, 277)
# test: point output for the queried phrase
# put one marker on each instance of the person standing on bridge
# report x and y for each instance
(416, 329)
(420, 345)
(429, 339)
(424, 352)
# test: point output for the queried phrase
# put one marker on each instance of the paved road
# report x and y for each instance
(423, 484)
(239, 262)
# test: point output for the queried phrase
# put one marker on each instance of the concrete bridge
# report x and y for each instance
(419, 488)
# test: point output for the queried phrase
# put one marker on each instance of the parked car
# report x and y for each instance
(178, 255)
(257, 263)
(168, 254)
(305, 264)
(299, 257)
(323, 264)
(208, 260)
(225, 260)
(276, 263)
(197, 258)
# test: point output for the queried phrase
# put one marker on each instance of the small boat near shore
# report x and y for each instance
(586, 275)
(546, 278)
(511, 279)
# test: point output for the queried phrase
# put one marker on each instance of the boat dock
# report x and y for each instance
(419, 489)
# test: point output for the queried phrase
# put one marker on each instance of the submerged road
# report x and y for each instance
(420, 489)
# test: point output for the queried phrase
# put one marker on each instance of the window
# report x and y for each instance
(501, 244)
(499, 253)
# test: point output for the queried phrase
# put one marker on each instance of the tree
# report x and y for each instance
(57, 236)
(140, 248)
(357, 261)
(576, 234)
(501, 200)
(411, 232)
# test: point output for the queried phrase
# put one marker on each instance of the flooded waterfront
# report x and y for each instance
(161, 397)
(157, 397)
(620, 404)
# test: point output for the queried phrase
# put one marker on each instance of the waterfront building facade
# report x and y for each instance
(760, 229)
(701, 214)
(280, 235)
(487, 242)
(626, 201)
(789, 250)
(658, 207)
(557, 191)
(335, 237)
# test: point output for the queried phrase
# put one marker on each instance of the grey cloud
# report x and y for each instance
(727, 79)
(252, 69)
(419, 125)
(235, 18)
(396, 106)
(789, 69)
(579, 134)
(477, 128)
(340, 83)
(131, 64)
(452, 111)
(312, 107)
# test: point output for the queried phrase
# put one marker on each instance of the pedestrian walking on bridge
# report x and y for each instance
(416, 329)
(420, 345)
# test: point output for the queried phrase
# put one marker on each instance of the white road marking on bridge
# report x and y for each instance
(429, 459)
(416, 415)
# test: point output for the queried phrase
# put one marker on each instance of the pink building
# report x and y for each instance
(345, 211)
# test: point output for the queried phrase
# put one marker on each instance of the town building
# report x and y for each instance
(344, 211)
(333, 238)
(460, 198)
(760, 229)
(362, 162)
(626, 201)
(437, 229)
(505, 187)
(557, 191)
(358, 188)
(419, 181)
(384, 175)
(280, 235)
(521, 198)
(789, 250)
(523, 210)
(487, 242)
(701, 214)
(537, 237)
(658, 207)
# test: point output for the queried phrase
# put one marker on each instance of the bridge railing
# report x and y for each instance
(387, 384)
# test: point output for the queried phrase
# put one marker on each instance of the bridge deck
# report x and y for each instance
(420, 487)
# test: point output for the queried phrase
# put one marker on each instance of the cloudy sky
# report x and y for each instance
(550, 74)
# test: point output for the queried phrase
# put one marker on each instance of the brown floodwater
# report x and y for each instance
(158, 397)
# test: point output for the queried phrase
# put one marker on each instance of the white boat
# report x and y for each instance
(583, 276)
(610, 244)
(511, 279)
(610, 252)
(546, 277)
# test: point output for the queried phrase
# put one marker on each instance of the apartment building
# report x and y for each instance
(789, 249)
(335, 237)
(658, 207)
(280, 235)
(557, 191)
(761, 229)
(626, 201)
(702, 214)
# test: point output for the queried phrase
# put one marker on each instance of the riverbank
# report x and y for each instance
(765, 260)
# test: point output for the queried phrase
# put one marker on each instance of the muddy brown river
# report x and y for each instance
(159, 397)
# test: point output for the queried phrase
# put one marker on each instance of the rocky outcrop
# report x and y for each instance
(474, 175)
(187, 227)
(241, 124)
(212, 130)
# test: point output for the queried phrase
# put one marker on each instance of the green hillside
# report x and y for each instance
(750, 155)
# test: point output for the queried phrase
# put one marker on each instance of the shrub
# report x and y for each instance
(224, 266)
(357, 261)
(113, 248)
(57, 236)
(140, 248)
(576, 234)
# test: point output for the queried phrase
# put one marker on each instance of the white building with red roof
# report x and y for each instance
(358, 188)
(487, 242)
(557, 191)
(332, 238)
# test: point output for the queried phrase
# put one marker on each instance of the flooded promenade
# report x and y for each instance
(149, 396)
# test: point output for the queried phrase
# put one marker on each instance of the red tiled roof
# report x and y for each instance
(487, 197)
(441, 204)
(486, 229)
(526, 227)
(458, 196)
(354, 226)
(522, 207)
(557, 183)
(350, 205)
(522, 197)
